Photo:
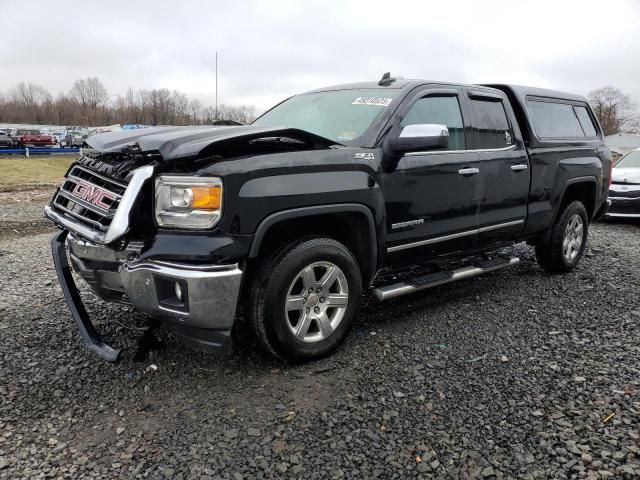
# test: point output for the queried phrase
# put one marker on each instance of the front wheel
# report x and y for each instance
(305, 299)
(564, 247)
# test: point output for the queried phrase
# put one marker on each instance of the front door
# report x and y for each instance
(432, 198)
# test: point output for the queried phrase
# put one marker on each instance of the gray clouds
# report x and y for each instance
(272, 49)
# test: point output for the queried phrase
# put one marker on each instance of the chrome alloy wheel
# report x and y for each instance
(573, 238)
(316, 302)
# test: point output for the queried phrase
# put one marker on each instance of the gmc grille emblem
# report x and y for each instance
(93, 194)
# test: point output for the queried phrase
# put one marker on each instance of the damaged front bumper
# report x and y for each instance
(198, 302)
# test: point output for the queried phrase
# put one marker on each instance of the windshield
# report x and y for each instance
(339, 115)
(630, 160)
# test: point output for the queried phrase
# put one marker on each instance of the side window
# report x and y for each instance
(443, 110)
(554, 120)
(585, 121)
(493, 126)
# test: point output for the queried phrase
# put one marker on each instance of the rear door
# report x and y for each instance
(504, 168)
(432, 197)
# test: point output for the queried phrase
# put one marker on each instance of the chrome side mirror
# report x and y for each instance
(416, 138)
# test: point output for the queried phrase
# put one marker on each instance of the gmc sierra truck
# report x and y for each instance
(388, 187)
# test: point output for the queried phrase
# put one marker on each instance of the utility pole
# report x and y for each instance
(216, 86)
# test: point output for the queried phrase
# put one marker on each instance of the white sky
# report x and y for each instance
(271, 49)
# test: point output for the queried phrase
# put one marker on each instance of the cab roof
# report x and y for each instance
(407, 84)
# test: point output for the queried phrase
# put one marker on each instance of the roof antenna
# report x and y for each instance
(386, 80)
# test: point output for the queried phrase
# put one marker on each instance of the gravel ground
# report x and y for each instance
(516, 374)
(21, 211)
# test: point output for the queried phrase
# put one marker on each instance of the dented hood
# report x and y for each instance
(179, 142)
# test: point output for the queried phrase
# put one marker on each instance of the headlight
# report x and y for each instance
(188, 202)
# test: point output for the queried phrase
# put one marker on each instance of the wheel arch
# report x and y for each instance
(584, 189)
(339, 221)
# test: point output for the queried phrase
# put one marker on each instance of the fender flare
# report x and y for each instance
(573, 181)
(284, 215)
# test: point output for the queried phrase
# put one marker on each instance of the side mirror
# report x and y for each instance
(417, 138)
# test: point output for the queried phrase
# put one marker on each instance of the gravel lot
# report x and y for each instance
(514, 374)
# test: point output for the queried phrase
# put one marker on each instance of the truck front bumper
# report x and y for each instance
(198, 302)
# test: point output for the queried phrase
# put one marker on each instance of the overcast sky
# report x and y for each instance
(271, 49)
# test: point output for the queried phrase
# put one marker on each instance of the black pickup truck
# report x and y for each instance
(389, 187)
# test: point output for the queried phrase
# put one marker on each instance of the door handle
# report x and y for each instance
(519, 167)
(468, 171)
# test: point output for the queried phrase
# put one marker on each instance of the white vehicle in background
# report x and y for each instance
(58, 137)
(73, 138)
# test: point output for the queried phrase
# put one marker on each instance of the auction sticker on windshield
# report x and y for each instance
(377, 101)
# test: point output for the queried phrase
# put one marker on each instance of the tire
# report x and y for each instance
(292, 314)
(563, 248)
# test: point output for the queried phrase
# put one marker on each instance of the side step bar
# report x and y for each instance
(440, 278)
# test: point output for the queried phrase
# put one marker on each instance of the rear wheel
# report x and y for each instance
(304, 301)
(564, 247)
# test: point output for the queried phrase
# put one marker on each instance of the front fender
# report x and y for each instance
(375, 242)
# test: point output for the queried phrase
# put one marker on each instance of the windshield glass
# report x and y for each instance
(631, 160)
(339, 115)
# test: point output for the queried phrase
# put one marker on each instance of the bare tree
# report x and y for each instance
(181, 108)
(88, 103)
(614, 109)
(30, 98)
(89, 94)
(242, 113)
(195, 109)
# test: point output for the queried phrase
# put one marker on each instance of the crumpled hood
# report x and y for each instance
(179, 142)
(626, 175)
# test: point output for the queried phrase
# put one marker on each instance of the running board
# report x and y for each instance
(440, 278)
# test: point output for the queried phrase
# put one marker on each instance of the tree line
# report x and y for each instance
(88, 103)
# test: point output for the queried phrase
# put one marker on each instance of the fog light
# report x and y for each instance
(178, 290)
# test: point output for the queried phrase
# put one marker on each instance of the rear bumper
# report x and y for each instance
(197, 302)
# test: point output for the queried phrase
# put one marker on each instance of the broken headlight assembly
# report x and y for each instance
(188, 202)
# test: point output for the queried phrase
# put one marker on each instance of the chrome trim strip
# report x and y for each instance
(624, 198)
(500, 225)
(429, 241)
(453, 236)
(171, 268)
(442, 152)
(120, 223)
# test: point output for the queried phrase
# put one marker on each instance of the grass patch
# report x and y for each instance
(33, 171)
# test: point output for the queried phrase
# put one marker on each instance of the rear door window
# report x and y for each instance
(443, 110)
(493, 126)
(554, 120)
(585, 121)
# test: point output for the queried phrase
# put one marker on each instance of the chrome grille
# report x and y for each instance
(72, 202)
